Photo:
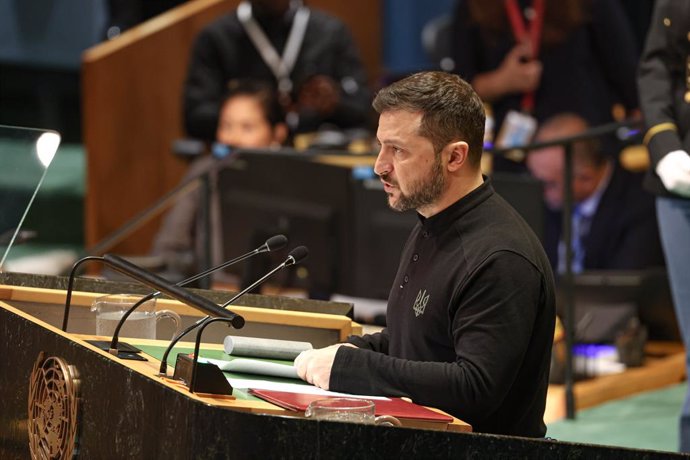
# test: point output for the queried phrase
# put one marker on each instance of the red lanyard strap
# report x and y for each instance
(520, 33)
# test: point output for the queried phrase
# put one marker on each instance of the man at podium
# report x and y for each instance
(471, 311)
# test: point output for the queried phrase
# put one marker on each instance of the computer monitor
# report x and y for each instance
(263, 194)
(380, 234)
(605, 300)
(524, 193)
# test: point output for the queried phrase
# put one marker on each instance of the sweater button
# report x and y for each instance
(406, 279)
(415, 257)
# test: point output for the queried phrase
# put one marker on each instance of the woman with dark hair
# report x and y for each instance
(251, 116)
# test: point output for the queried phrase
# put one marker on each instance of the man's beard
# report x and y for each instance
(423, 192)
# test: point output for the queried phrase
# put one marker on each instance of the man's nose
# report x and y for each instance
(382, 166)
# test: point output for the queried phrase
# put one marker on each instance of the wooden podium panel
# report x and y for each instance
(318, 328)
(124, 411)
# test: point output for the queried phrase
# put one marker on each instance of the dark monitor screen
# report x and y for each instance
(525, 194)
(380, 236)
(263, 194)
(604, 300)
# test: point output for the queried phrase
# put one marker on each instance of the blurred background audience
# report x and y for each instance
(308, 56)
(575, 57)
(544, 57)
(250, 117)
(614, 219)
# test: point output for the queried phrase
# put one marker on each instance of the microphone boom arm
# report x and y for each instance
(273, 243)
(296, 256)
(164, 360)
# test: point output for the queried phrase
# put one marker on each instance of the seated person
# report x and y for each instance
(614, 220)
(308, 56)
(471, 311)
(251, 117)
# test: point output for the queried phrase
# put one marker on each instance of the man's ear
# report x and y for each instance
(458, 155)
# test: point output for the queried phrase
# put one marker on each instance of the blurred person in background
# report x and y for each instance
(614, 218)
(308, 56)
(250, 117)
(537, 58)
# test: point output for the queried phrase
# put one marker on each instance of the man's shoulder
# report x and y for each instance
(325, 21)
(499, 229)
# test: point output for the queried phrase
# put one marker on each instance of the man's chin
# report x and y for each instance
(395, 204)
(392, 201)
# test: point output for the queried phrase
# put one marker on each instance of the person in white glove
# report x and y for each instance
(674, 171)
(664, 87)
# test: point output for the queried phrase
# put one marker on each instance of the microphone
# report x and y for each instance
(296, 256)
(70, 285)
(273, 243)
(201, 303)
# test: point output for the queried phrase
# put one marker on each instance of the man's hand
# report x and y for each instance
(674, 171)
(518, 72)
(319, 93)
(314, 366)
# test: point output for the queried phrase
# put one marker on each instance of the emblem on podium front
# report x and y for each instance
(53, 408)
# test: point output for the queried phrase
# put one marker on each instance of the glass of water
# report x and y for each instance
(141, 323)
(354, 410)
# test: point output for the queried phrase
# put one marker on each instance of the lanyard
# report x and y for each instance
(281, 66)
(521, 33)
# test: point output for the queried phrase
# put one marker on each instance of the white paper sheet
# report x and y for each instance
(294, 388)
(254, 366)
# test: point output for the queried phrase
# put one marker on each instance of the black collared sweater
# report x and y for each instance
(470, 321)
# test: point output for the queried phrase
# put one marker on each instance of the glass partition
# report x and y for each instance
(25, 155)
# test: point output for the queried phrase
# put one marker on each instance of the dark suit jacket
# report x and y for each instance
(663, 84)
(223, 51)
(623, 234)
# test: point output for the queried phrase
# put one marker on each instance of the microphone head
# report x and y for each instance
(297, 255)
(276, 242)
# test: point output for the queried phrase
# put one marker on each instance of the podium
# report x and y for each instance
(103, 407)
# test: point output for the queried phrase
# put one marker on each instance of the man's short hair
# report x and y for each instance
(451, 110)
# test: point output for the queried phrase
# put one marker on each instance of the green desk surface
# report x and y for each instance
(240, 393)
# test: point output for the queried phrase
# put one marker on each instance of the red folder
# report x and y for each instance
(396, 407)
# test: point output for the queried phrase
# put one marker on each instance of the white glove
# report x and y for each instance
(674, 172)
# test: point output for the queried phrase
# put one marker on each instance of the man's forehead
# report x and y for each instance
(392, 122)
